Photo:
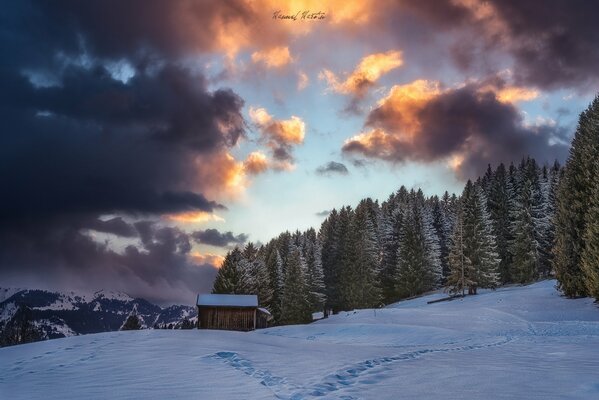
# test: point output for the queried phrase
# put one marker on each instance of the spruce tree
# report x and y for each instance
(590, 254)
(230, 277)
(418, 265)
(274, 268)
(329, 255)
(573, 200)
(459, 264)
(360, 286)
(314, 273)
(499, 206)
(294, 303)
(479, 240)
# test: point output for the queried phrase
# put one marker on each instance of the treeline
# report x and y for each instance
(497, 231)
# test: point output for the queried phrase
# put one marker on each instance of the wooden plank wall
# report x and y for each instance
(228, 318)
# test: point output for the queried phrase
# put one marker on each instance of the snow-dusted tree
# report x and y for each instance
(479, 240)
(256, 275)
(314, 274)
(432, 243)
(230, 277)
(360, 286)
(523, 246)
(417, 262)
(574, 198)
(590, 254)
(295, 307)
(390, 226)
(459, 264)
(345, 258)
(274, 267)
(498, 202)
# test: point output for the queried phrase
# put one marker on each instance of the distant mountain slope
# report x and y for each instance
(60, 314)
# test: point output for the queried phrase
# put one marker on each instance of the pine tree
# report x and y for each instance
(360, 286)
(295, 304)
(523, 247)
(274, 267)
(459, 264)
(230, 279)
(314, 273)
(417, 261)
(391, 226)
(255, 275)
(330, 254)
(590, 254)
(499, 210)
(573, 200)
(479, 240)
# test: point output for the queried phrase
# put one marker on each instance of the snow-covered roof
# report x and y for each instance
(228, 300)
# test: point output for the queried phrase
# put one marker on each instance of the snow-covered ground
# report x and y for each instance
(515, 343)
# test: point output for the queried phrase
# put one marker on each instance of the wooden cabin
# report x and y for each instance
(234, 312)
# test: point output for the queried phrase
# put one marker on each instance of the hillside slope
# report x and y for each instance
(519, 342)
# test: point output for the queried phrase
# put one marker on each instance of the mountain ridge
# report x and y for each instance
(56, 314)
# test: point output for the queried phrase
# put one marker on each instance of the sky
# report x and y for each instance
(142, 140)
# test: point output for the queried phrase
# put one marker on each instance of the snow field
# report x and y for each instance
(514, 343)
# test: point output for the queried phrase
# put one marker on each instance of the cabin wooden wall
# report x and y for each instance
(228, 318)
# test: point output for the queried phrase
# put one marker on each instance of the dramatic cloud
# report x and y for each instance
(332, 167)
(160, 268)
(98, 132)
(97, 145)
(368, 71)
(468, 126)
(552, 46)
(279, 135)
(213, 237)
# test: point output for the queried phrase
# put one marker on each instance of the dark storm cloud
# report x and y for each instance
(332, 167)
(468, 122)
(60, 256)
(553, 44)
(97, 145)
(82, 141)
(214, 237)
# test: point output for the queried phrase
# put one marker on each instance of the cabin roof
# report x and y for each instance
(228, 300)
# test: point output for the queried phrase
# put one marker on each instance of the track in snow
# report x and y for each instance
(365, 372)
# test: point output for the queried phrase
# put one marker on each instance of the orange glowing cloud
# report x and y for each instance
(194, 217)
(399, 109)
(290, 131)
(467, 125)
(215, 260)
(281, 137)
(276, 57)
(219, 176)
(369, 70)
(513, 94)
(256, 163)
